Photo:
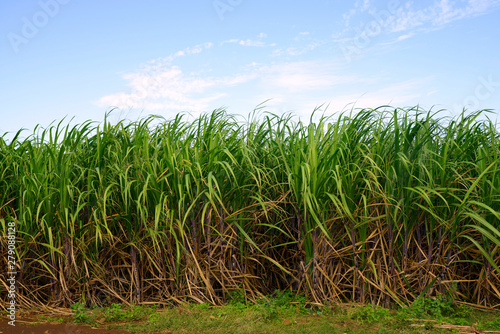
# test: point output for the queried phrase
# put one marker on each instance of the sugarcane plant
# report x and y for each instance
(375, 206)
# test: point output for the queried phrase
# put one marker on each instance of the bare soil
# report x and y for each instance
(26, 327)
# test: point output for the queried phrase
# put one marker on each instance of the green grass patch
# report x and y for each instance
(284, 312)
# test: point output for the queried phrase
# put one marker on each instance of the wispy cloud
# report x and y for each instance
(440, 13)
(405, 36)
(302, 76)
(302, 44)
(245, 42)
(394, 22)
(249, 42)
(295, 50)
(409, 17)
(301, 36)
(360, 6)
(181, 53)
(163, 84)
(160, 85)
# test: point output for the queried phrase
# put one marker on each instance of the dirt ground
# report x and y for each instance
(52, 328)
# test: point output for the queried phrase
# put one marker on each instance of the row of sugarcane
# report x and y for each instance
(374, 206)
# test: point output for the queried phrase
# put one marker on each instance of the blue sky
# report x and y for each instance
(75, 58)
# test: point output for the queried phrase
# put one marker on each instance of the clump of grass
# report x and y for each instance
(426, 307)
(113, 313)
(82, 314)
(492, 324)
(371, 313)
(282, 302)
(441, 308)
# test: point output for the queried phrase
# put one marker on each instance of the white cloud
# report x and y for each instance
(360, 6)
(295, 51)
(407, 18)
(230, 41)
(303, 43)
(363, 5)
(439, 14)
(303, 76)
(244, 42)
(167, 87)
(248, 42)
(199, 48)
(301, 36)
(181, 53)
(405, 36)
(160, 85)
(295, 76)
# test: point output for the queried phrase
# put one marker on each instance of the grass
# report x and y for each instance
(114, 313)
(380, 206)
(285, 313)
